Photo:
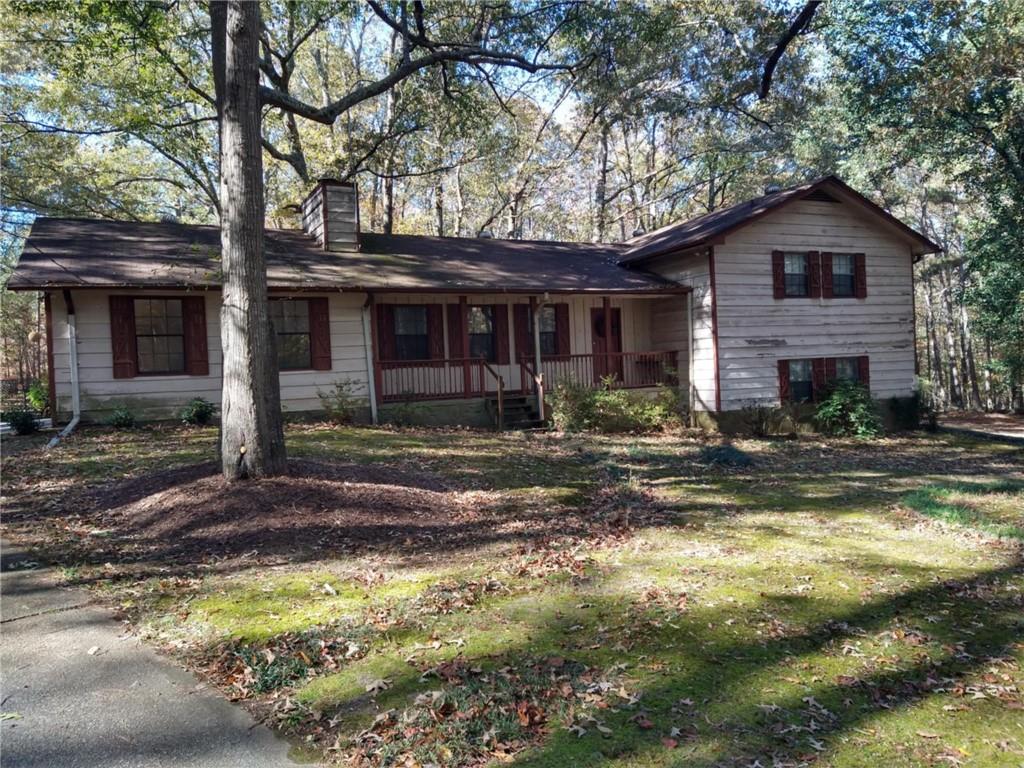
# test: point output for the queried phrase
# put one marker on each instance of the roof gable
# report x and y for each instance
(713, 227)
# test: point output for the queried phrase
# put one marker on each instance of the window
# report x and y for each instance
(842, 275)
(801, 381)
(548, 330)
(159, 335)
(412, 341)
(290, 319)
(481, 333)
(847, 368)
(796, 274)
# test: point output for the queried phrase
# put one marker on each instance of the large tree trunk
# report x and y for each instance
(252, 438)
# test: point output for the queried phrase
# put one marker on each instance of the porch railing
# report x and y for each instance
(465, 377)
(622, 370)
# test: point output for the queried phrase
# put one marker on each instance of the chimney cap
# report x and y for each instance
(333, 182)
(639, 231)
(771, 188)
(486, 234)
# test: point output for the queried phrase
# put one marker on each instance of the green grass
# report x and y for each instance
(785, 611)
(996, 509)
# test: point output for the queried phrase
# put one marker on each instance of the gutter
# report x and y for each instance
(76, 405)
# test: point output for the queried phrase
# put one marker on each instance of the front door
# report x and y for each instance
(607, 357)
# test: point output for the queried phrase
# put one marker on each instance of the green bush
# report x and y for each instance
(198, 411)
(22, 422)
(121, 418)
(38, 397)
(340, 403)
(849, 411)
(577, 407)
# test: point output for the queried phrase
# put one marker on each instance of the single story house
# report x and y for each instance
(760, 303)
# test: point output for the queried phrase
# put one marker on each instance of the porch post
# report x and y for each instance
(606, 306)
(535, 315)
(467, 372)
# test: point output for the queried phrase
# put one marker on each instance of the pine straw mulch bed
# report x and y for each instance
(167, 522)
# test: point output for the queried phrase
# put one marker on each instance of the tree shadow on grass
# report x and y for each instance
(724, 728)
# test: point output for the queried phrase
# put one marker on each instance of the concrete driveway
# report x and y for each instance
(77, 692)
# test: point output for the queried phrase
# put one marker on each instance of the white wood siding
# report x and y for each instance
(162, 396)
(756, 330)
(691, 270)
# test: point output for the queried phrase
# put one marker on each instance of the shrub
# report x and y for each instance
(763, 420)
(577, 407)
(198, 411)
(340, 402)
(22, 422)
(38, 397)
(848, 410)
(121, 418)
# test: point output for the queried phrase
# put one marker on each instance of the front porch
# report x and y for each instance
(442, 349)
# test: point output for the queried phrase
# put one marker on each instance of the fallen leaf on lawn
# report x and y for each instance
(378, 685)
(927, 735)
(94, 650)
(670, 743)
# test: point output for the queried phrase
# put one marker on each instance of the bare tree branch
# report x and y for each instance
(799, 25)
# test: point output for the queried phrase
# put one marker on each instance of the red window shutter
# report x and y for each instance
(521, 327)
(826, 275)
(455, 331)
(778, 275)
(860, 276)
(197, 359)
(122, 337)
(817, 377)
(386, 331)
(320, 334)
(830, 369)
(562, 339)
(435, 331)
(784, 396)
(864, 371)
(500, 312)
(813, 274)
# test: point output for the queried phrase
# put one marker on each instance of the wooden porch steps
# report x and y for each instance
(520, 412)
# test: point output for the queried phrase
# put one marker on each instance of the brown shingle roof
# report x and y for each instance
(711, 227)
(73, 253)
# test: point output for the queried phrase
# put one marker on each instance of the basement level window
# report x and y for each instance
(847, 368)
(801, 382)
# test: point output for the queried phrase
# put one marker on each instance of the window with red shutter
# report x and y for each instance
(826, 276)
(122, 337)
(813, 274)
(778, 274)
(860, 276)
(386, 331)
(501, 350)
(521, 328)
(197, 359)
(320, 334)
(818, 378)
(864, 371)
(456, 331)
(785, 394)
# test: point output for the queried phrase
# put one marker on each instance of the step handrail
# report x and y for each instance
(485, 366)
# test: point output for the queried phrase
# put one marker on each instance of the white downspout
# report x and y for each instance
(691, 389)
(368, 346)
(76, 411)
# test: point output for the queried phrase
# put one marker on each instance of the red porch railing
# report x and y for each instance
(625, 370)
(405, 380)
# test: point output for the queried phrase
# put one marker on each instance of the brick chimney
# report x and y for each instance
(330, 214)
